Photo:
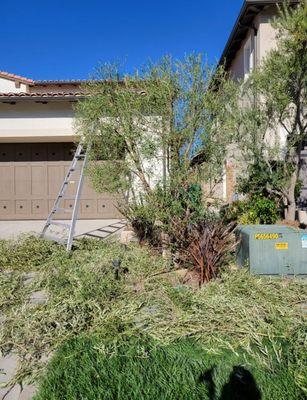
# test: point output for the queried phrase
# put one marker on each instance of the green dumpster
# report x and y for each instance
(272, 249)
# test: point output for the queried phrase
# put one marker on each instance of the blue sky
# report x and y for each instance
(66, 39)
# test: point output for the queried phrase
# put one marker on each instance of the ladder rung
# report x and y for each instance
(65, 210)
(67, 197)
(60, 224)
(75, 165)
(69, 182)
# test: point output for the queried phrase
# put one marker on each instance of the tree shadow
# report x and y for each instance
(241, 385)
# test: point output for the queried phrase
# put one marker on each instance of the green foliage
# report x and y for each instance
(143, 220)
(267, 105)
(265, 209)
(262, 179)
(164, 210)
(25, 253)
(257, 210)
(140, 368)
(152, 124)
(134, 368)
(84, 298)
(179, 202)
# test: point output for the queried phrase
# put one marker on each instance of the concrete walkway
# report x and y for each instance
(12, 229)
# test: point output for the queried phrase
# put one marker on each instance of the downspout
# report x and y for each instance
(255, 54)
(255, 44)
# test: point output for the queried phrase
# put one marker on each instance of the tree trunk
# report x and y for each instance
(290, 211)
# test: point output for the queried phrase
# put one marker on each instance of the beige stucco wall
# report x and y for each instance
(266, 32)
(264, 42)
(29, 121)
(237, 66)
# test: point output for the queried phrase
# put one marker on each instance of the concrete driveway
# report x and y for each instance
(12, 229)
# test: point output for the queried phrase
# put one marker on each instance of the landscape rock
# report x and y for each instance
(29, 278)
(28, 392)
(8, 368)
(39, 297)
(12, 393)
(127, 237)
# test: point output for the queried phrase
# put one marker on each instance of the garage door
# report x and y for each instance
(30, 177)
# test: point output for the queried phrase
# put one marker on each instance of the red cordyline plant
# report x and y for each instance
(211, 243)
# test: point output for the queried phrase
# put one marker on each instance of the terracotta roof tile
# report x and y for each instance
(14, 77)
(40, 95)
(61, 81)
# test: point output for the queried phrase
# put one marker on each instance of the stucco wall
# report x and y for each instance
(237, 65)
(264, 42)
(266, 32)
(9, 86)
(30, 121)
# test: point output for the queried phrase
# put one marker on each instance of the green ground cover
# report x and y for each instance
(92, 321)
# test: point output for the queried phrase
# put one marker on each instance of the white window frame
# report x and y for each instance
(248, 53)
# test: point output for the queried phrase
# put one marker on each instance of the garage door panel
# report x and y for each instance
(39, 180)
(55, 176)
(7, 182)
(88, 190)
(22, 207)
(6, 152)
(22, 153)
(88, 206)
(69, 204)
(72, 187)
(39, 207)
(55, 151)
(107, 209)
(69, 151)
(6, 208)
(39, 152)
(22, 180)
(31, 175)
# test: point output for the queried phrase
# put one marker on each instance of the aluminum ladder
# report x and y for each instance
(66, 236)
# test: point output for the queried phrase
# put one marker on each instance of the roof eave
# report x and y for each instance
(39, 99)
(246, 5)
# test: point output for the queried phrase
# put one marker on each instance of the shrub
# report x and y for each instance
(143, 221)
(170, 210)
(266, 210)
(211, 244)
(257, 210)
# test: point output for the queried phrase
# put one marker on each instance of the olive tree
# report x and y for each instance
(152, 128)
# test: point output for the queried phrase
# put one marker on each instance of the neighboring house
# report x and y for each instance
(36, 147)
(250, 41)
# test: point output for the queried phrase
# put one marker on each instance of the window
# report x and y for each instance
(248, 57)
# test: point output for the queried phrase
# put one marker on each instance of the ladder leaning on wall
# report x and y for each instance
(63, 232)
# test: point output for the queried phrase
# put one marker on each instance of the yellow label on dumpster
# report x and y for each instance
(281, 246)
(266, 236)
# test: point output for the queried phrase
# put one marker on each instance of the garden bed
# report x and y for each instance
(87, 308)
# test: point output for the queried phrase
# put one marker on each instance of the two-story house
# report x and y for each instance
(251, 38)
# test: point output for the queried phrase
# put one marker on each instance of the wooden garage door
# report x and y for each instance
(30, 178)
